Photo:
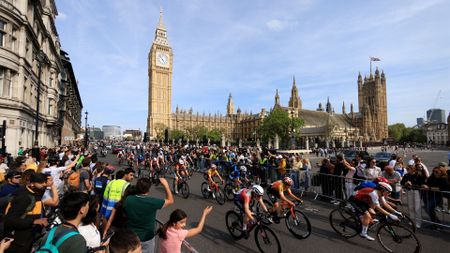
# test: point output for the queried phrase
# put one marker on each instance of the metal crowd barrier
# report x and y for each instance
(421, 204)
(186, 247)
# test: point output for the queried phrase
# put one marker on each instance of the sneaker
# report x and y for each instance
(368, 237)
(176, 191)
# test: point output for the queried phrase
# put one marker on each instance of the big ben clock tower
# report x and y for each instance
(159, 82)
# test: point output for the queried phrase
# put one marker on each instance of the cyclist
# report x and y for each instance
(235, 177)
(179, 172)
(211, 173)
(276, 191)
(120, 156)
(242, 200)
(369, 197)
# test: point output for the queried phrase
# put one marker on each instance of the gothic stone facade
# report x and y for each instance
(326, 127)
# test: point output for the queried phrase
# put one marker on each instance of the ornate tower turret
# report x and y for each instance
(360, 91)
(329, 109)
(159, 81)
(343, 107)
(294, 101)
(277, 99)
(230, 106)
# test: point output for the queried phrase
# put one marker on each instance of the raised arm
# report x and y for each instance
(197, 230)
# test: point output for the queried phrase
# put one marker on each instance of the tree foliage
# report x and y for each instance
(279, 122)
(215, 135)
(403, 134)
(177, 134)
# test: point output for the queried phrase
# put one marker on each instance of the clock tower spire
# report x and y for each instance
(159, 83)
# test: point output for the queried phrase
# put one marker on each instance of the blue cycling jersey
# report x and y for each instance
(235, 174)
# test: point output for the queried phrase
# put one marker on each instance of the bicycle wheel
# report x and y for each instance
(298, 224)
(220, 196)
(228, 189)
(234, 224)
(344, 223)
(184, 189)
(204, 190)
(266, 240)
(395, 237)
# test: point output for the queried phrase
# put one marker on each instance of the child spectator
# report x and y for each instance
(173, 232)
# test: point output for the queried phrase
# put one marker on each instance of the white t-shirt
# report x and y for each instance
(55, 172)
(90, 234)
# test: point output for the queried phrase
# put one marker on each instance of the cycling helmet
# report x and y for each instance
(381, 179)
(183, 157)
(288, 181)
(213, 166)
(384, 186)
(243, 168)
(258, 190)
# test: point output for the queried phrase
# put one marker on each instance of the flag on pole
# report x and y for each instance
(374, 59)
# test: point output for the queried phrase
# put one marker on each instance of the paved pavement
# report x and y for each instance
(215, 237)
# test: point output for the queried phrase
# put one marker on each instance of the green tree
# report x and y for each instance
(279, 122)
(215, 135)
(176, 134)
(397, 131)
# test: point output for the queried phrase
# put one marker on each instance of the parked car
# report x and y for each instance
(382, 159)
(349, 155)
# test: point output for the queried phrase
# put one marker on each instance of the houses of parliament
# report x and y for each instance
(322, 125)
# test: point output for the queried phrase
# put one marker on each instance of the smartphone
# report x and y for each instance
(108, 235)
(7, 239)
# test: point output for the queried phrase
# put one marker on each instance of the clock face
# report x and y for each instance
(162, 59)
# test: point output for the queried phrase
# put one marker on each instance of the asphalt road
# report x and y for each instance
(215, 237)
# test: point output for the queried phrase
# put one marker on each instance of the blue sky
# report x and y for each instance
(251, 48)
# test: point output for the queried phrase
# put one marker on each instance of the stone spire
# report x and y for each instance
(328, 107)
(230, 106)
(343, 107)
(294, 101)
(161, 32)
(277, 99)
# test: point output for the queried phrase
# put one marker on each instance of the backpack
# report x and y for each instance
(74, 180)
(52, 243)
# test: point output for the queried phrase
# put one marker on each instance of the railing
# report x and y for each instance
(185, 245)
(421, 204)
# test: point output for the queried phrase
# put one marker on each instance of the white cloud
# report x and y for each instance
(276, 25)
(61, 16)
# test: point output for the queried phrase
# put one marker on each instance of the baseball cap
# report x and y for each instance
(442, 164)
(12, 173)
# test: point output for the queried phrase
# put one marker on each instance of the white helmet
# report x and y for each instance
(243, 168)
(258, 190)
(385, 186)
(183, 157)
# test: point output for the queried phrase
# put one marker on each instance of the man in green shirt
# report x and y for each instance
(74, 207)
(141, 212)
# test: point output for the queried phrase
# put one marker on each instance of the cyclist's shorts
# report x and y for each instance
(273, 194)
(360, 206)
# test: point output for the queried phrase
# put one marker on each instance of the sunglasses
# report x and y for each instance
(17, 177)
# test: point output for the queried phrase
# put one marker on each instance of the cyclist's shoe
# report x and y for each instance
(213, 195)
(368, 237)
(270, 219)
(276, 219)
(246, 234)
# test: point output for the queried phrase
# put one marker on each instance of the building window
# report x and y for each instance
(14, 39)
(49, 106)
(2, 33)
(5, 83)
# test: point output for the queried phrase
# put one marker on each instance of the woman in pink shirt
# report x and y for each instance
(173, 232)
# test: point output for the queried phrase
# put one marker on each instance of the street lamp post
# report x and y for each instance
(86, 130)
(41, 58)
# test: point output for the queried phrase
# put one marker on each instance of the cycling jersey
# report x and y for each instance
(242, 197)
(369, 196)
(274, 190)
(278, 186)
(212, 173)
(235, 174)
